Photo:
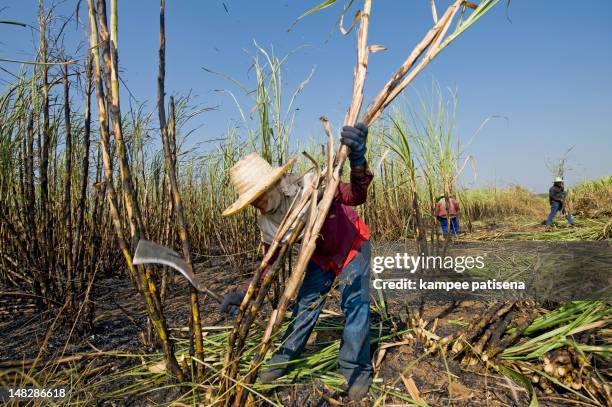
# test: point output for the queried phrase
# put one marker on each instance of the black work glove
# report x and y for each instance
(355, 139)
(231, 303)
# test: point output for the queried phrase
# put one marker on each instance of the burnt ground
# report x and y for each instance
(119, 319)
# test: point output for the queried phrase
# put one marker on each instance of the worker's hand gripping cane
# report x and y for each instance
(231, 302)
(355, 139)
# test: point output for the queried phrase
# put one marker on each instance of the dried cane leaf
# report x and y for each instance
(412, 389)
(158, 367)
(484, 7)
(379, 359)
(434, 12)
(376, 48)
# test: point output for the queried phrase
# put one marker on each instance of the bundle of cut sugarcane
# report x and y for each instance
(565, 350)
(555, 351)
(479, 332)
(488, 332)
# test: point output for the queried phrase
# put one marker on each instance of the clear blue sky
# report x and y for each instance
(548, 70)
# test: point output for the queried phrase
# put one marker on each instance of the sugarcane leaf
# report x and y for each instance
(13, 23)
(520, 378)
(300, 89)
(353, 23)
(507, 8)
(320, 7)
(229, 78)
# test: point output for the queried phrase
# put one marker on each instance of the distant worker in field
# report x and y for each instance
(343, 250)
(443, 216)
(556, 198)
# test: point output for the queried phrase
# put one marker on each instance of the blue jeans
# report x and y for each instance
(354, 285)
(444, 224)
(554, 208)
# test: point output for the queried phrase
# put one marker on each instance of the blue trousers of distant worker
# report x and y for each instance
(554, 208)
(354, 285)
(444, 224)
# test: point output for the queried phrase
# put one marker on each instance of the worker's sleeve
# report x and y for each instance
(355, 192)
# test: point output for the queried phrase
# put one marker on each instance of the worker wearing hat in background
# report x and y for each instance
(343, 250)
(556, 198)
(443, 216)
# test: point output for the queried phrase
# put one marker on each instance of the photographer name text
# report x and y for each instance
(459, 264)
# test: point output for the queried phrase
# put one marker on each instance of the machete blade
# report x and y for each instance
(150, 252)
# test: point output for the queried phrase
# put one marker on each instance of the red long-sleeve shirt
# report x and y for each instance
(343, 231)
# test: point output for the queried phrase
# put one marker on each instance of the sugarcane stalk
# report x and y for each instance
(105, 142)
(313, 199)
(46, 213)
(497, 332)
(496, 311)
(168, 132)
(405, 75)
(111, 58)
(70, 295)
(21, 168)
(105, 135)
(39, 284)
(184, 236)
(508, 341)
(78, 243)
(29, 164)
(166, 230)
(330, 146)
(395, 85)
(108, 46)
(261, 295)
(497, 325)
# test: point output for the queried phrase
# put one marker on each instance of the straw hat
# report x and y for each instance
(252, 176)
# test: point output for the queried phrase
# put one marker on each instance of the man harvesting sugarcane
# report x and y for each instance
(343, 250)
(556, 198)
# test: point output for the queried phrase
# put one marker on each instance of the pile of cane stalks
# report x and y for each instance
(565, 351)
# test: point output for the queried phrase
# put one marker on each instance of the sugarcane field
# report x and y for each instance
(316, 203)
